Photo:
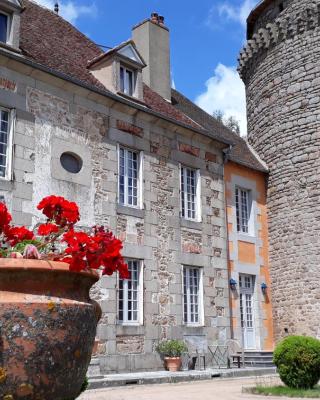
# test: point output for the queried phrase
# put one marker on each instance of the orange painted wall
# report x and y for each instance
(247, 251)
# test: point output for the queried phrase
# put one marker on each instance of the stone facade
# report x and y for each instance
(52, 118)
(279, 66)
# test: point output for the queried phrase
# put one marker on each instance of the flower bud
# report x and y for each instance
(31, 252)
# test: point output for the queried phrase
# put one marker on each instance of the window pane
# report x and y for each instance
(129, 299)
(191, 299)
(128, 177)
(129, 83)
(4, 134)
(122, 79)
(242, 197)
(3, 28)
(188, 193)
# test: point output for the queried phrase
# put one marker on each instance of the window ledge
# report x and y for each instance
(6, 184)
(130, 211)
(246, 237)
(8, 46)
(187, 326)
(123, 329)
(186, 223)
(132, 98)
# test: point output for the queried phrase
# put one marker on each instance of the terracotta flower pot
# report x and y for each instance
(47, 329)
(173, 364)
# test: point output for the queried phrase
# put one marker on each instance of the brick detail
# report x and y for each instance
(6, 84)
(129, 128)
(210, 157)
(191, 242)
(186, 148)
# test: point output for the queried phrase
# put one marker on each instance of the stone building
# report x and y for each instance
(279, 65)
(186, 195)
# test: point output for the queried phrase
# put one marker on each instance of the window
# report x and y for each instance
(4, 27)
(192, 296)
(130, 302)
(71, 162)
(246, 283)
(127, 81)
(5, 143)
(129, 179)
(190, 193)
(243, 209)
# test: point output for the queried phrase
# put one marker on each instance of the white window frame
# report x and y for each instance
(185, 194)
(140, 309)
(125, 82)
(139, 180)
(9, 160)
(200, 298)
(9, 24)
(239, 209)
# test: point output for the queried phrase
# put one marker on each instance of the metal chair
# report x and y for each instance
(235, 353)
(195, 358)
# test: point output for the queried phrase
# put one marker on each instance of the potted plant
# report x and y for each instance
(172, 350)
(48, 322)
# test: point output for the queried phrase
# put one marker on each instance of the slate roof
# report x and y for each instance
(241, 152)
(49, 40)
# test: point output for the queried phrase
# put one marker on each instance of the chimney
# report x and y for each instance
(152, 39)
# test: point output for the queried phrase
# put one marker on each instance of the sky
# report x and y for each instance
(206, 37)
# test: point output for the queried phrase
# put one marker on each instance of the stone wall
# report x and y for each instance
(51, 120)
(280, 67)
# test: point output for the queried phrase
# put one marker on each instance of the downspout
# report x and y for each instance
(226, 158)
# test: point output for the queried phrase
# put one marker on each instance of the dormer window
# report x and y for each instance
(120, 70)
(4, 27)
(127, 80)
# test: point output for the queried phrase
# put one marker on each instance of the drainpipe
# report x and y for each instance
(226, 158)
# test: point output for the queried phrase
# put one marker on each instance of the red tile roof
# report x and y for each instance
(53, 42)
(49, 40)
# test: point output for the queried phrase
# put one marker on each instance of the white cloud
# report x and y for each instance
(230, 12)
(69, 9)
(237, 14)
(225, 91)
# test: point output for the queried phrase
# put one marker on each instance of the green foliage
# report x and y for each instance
(286, 391)
(3, 253)
(85, 385)
(19, 248)
(172, 348)
(298, 361)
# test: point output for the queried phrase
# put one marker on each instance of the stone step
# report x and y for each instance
(94, 368)
(157, 377)
(258, 359)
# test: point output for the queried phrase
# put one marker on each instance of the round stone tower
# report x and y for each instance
(280, 66)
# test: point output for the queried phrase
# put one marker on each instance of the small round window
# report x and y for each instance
(71, 162)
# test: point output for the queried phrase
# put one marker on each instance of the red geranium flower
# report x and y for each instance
(100, 249)
(47, 229)
(16, 235)
(59, 210)
(5, 217)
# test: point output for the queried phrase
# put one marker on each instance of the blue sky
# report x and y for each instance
(206, 36)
